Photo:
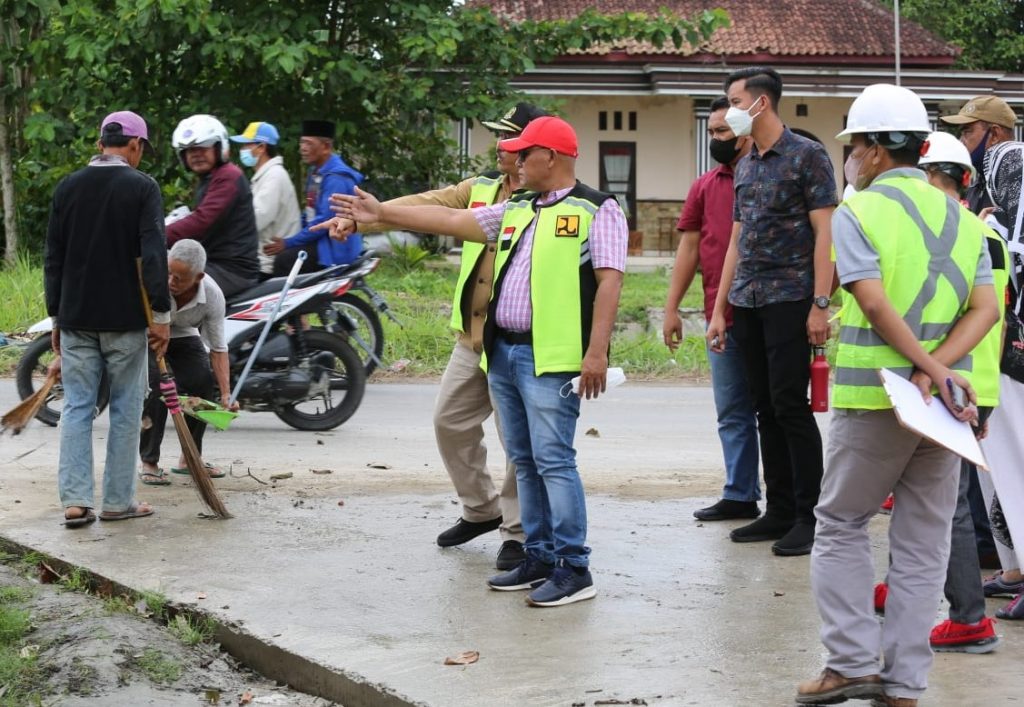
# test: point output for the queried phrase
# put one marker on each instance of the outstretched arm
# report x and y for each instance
(364, 207)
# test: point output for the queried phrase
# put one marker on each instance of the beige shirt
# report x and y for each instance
(457, 196)
(276, 206)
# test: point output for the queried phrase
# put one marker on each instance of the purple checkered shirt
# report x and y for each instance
(609, 235)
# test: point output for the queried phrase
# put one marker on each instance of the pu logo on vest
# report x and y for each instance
(506, 237)
(567, 227)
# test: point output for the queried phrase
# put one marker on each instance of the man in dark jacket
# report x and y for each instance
(103, 220)
(223, 219)
(328, 175)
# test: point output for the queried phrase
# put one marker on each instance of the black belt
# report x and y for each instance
(516, 337)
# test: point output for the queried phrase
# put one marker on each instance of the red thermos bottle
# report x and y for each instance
(819, 381)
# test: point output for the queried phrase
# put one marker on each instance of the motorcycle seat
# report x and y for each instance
(273, 286)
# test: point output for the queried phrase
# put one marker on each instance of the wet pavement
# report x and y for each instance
(332, 581)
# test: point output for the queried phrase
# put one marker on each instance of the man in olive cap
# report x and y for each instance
(985, 121)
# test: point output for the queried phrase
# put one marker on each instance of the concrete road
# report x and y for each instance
(332, 581)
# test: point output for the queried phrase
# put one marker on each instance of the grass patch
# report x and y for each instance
(161, 670)
(191, 630)
(77, 581)
(156, 603)
(116, 604)
(20, 672)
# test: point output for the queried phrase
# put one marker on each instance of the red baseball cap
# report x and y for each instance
(548, 131)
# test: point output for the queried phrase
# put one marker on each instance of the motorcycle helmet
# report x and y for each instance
(201, 131)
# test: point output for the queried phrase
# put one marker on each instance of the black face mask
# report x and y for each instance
(724, 151)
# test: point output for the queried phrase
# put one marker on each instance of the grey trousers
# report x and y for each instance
(463, 404)
(963, 588)
(869, 455)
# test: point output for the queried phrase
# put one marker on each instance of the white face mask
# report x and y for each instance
(740, 120)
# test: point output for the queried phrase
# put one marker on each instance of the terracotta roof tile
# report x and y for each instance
(847, 28)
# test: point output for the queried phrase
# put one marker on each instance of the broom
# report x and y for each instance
(15, 420)
(169, 391)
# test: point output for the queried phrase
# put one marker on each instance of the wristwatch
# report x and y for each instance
(821, 301)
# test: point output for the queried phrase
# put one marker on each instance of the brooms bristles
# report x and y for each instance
(22, 413)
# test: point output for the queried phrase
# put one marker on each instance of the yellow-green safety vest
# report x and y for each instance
(928, 247)
(562, 281)
(486, 188)
(985, 376)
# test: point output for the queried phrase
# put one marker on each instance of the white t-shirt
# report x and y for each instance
(276, 206)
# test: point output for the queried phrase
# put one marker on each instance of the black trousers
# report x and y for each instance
(284, 260)
(777, 357)
(190, 365)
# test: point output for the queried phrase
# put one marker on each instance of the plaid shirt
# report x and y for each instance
(608, 237)
(775, 192)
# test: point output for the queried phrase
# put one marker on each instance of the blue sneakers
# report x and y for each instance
(564, 586)
(527, 574)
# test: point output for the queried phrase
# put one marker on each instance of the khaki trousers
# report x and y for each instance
(869, 454)
(463, 404)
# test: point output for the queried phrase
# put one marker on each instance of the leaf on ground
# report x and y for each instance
(201, 595)
(341, 503)
(28, 652)
(592, 432)
(322, 471)
(779, 594)
(464, 658)
(246, 698)
(48, 575)
(378, 465)
(279, 477)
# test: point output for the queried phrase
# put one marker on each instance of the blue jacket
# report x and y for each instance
(334, 176)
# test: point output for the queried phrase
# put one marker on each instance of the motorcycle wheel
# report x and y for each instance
(31, 372)
(348, 379)
(368, 327)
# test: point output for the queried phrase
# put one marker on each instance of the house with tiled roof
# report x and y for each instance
(641, 111)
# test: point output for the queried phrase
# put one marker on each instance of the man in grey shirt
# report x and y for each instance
(197, 323)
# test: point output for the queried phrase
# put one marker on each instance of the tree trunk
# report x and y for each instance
(7, 186)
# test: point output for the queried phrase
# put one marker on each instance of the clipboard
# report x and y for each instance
(933, 422)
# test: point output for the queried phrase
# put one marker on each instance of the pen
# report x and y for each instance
(952, 393)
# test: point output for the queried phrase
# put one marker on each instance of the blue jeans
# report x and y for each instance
(539, 426)
(737, 424)
(84, 356)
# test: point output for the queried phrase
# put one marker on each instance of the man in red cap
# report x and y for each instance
(463, 403)
(561, 253)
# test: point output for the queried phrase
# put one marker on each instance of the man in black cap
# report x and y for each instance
(463, 402)
(328, 175)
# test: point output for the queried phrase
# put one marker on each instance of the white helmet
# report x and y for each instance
(201, 131)
(883, 108)
(943, 148)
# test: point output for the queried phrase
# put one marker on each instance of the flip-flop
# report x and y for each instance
(131, 512)
(154, 478)
(79, 521)
(211, 471)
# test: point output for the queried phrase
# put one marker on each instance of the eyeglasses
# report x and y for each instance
(525, 154)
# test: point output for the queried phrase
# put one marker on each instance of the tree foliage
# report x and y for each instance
(393, 75)
(990, 32)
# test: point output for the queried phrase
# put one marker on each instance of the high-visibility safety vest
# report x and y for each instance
(928, 247)
(486, 188)
(562, 281)
(985, 376)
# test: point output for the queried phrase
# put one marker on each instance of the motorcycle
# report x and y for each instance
(311, 378)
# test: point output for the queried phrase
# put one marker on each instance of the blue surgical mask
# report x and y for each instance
(248, 158)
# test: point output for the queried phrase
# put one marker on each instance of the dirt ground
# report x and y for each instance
(92, 651)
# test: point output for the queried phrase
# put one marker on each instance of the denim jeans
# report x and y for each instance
(84, 356)
(737, 425)
(539, 426)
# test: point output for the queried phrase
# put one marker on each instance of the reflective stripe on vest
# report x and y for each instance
(927, 273)
(484, 193)
(562, 281)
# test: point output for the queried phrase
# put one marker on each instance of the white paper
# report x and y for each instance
(933, 421)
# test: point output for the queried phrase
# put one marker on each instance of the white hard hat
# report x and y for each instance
(943, 147)
(884, 108)
(201, 130)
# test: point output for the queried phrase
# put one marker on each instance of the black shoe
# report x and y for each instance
(797, 541)
(728, 510)
(767, 527)
(464, 531)
(510, 555)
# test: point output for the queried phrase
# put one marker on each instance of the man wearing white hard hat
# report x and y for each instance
(918, 271)
(947, 163)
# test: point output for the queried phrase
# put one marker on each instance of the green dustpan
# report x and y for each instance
(210, 413)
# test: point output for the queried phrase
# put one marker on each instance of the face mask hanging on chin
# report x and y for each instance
(740, 120)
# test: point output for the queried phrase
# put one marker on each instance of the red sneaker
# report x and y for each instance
(881, 594)
(949, 636)
(887, 506)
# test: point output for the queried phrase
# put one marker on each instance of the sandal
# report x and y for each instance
(79, 521)
(211, 471)
(133, 511)
(154, 478)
